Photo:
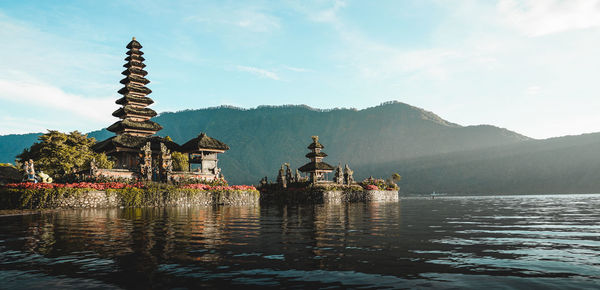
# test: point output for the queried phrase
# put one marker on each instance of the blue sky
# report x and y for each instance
(529, 66)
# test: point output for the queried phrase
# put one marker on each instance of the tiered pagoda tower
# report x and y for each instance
(134, 129)
(134, 114)
(316, 168)
(136, 150)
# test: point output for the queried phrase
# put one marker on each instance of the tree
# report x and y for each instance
(180, 160)
(59, 153)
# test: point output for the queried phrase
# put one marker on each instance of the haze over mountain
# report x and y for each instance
(429, 152)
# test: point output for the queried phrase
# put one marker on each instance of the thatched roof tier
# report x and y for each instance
(314, 166)
(134, 89)
(120, 126)
(130, 110)
(314, 154)
(132, 78)
(203, 142)
(134, 70)
(315, 144)
(138, 52)
(134, 64)
(135, 58)
(134, 99)
(134, 44)
(133, 142)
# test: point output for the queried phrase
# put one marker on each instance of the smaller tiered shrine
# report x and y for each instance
(316, 168)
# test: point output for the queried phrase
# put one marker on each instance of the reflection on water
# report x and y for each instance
(471, 242)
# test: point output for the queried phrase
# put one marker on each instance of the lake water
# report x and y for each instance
(541, 242)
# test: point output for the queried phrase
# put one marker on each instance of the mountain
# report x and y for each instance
(263, 138)
(569, 164)
(12, 145)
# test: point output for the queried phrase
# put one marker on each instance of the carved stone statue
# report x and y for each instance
(288, 173)
(339, 175)
(348, 178)
(166, 162)
(146, 162)
(281, 177)
(30, 171)
(93, 167)
(298, 176)
(263, 181)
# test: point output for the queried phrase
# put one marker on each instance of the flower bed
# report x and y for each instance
(88, 185)
(201, 186)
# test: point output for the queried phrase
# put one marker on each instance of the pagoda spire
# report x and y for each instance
(316, 168)
(134, 114)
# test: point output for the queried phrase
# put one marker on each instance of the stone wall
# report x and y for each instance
(328, 196)
(14, 199)
(334, 196)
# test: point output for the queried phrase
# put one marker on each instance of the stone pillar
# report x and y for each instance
(146, 162)
(166, 163)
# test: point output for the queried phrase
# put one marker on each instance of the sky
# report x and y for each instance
(529, 66)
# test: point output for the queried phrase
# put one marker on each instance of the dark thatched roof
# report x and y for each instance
(313, 154)
(312, 166)
(134, 89)
(132, 98)
(133, 70)
(134, 44)
(315, 145)
(135, 58)
(203, 142)
(132, 78)
(134, 64)
(133, 142)
(135, 111)
(128, 124)
(131, 52)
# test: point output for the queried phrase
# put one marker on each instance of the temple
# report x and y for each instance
(316, 168)
(316, 171)
(136, 150)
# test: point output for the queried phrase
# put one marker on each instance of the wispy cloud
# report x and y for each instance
(37, 94)
(246, 18)
(297, 69)
(538, 18)
(259, 72)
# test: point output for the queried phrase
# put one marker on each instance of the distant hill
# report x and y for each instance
(263, 138)
(569, 164)
(12, 145)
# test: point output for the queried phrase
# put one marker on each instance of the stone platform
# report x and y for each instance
(317, 195)
(52, 199)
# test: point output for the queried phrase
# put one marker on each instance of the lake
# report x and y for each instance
(550, 241)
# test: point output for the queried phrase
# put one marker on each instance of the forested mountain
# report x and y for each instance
(569, 164)
(429, 152)
(12, 145)
(262, 139)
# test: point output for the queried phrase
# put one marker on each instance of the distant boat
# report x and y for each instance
(434, 194)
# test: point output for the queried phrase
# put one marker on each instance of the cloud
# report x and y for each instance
(249, 19)
(37, 94)
(538, 18)
(297, 69)
(259, 72)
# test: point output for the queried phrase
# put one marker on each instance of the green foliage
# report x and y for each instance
(59, 153)
(154, 194)
(130, 197)
(7, 165)
(180, 161)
